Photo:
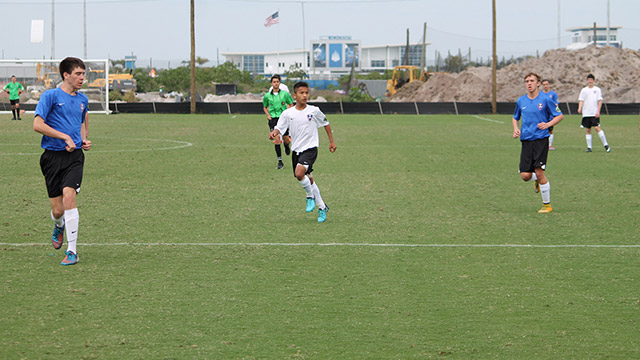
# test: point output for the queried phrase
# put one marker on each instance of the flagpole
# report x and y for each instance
(278, 51)
(304, 55)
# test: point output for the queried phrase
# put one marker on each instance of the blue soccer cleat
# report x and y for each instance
(57, 238)
(70, 259)
(311, 204)
(322, 214)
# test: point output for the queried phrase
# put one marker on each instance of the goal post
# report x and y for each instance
(38, 76)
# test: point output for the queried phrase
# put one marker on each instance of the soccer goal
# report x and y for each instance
(38, 76)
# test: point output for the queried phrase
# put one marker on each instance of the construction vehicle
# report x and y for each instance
(117, 81)
(47, 75)
(404, 74)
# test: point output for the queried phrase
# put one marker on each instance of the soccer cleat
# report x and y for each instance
(546, 208)
(322, 213)
(536, 185)
(19, 118)
(607, 148)
(280, 165)
(70, 259)
(588, 149)
(57, 238)
(311, 204)
(551, 148)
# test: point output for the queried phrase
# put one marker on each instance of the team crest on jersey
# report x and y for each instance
(81, 107)
(309, 117)
(540, 106)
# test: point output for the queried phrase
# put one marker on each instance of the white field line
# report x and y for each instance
(487, 119)
(178, 145)
(213, 244)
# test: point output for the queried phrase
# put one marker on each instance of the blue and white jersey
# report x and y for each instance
(303, 126)
(65, 113)
(553, 95)
(533, 112)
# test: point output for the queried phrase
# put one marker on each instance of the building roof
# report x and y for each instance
(580, 28)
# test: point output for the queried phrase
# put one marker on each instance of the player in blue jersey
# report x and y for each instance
(546, 89)
(538, 112)
(61, 118)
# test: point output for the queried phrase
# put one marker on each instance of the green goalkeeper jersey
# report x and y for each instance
(14, 90)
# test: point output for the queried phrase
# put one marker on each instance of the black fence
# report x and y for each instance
(412, 108)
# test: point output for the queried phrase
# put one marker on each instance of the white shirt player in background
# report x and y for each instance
(303, 122)
(589, 105)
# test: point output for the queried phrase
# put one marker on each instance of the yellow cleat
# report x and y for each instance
(546, 208)
(536, 184)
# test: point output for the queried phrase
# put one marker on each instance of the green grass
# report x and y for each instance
(171, 267)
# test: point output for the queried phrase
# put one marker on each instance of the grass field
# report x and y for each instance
(192, 245)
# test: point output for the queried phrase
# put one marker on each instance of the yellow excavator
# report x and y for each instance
(117, 81)
(404, 74)
(47, 75)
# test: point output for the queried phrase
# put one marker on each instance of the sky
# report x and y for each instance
(158, 31)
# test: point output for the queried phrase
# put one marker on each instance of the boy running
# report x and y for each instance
(538, 113)
(589, 105)
(303, 122)
(274, 103)
(14, 89)
(61, 118)
(546, 89)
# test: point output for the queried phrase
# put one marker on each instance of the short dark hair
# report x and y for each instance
(68, 64)
(590, 76)
(300, 84)
(547, 80)
(12, 76)
(275, 76)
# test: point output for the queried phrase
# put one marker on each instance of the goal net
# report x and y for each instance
(38, 76)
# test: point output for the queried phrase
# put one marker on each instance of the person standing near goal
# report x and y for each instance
(589, 105)
(546, 89)
(14, 89)
(303, 122)
(61, 117)
(274, 103)
(538, 113)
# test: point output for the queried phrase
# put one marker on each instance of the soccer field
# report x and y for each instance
(193, 245)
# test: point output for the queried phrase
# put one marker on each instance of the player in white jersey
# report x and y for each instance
(303, 122)
(589, 105)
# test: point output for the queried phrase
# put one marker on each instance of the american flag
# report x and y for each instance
(273, 19)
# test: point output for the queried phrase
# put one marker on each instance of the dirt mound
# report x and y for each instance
(617, 72)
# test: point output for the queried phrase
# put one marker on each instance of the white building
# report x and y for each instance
(582, 36)
(327, 58)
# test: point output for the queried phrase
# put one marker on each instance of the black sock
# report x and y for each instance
(13, 111)
(278, 151)
(286, 146)
(18, 113)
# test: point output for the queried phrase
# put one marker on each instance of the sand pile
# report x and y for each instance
(617, 72)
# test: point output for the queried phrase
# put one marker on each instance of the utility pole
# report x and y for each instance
(406, 51)
(84, 26)
(193, 58)
(53, 30)
(494, 82)
(423, 60)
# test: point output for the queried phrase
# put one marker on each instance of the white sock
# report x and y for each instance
(59, 221)
(550, 140)
(603, 138)
(306, 184)
(546, 194)
(533, 177)
(589, 141)
(71, 219)
(316, 194)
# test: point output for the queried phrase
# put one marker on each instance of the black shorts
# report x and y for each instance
(62, 169)
(307, 158)
(534, 155)
(272, 125)
(550, 128)
(589, 121)
(15, 102)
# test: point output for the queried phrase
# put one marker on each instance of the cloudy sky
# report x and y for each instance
(157, 31)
